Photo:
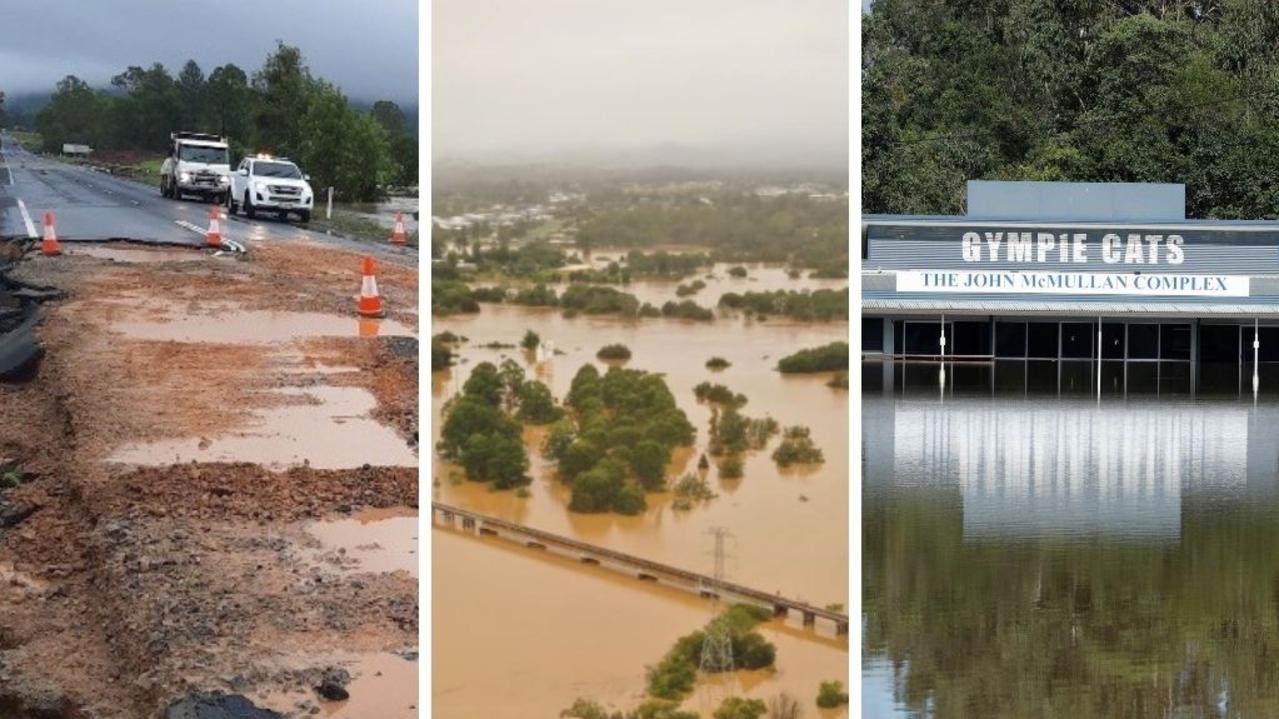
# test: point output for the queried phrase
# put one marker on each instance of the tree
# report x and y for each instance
(284, 87)
(193, 93)
(72, 115)
(831, 694)
(230, 103)
(531, 340)
(150, 110)
(739, 708)
(648, 462)
(537, 406)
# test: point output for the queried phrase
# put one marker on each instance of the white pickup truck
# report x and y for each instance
(270, 184)
(198, 164)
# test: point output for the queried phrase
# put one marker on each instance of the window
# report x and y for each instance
(1143, 341)
(1010, 339)
(1041, 338)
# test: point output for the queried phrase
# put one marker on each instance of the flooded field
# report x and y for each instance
(789, 526)
(1032, 550)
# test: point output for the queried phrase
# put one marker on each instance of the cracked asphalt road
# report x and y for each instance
(94, 206)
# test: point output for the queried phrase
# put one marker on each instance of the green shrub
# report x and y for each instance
(833, 356)
(614, 352)
(831, 694)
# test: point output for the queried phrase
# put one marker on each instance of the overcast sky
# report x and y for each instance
(536, 78)
(368, 48)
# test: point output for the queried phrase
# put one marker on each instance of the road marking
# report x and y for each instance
(26, 218)
(194, 228)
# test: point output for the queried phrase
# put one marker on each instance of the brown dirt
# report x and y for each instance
(128, 586)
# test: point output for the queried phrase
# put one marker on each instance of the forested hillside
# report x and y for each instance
(1085, 90)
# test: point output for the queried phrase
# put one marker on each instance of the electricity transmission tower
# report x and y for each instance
(717, 647)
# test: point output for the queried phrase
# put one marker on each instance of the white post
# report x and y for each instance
(328, 211)
(941, 374)
(1098, 359)
(1256, 351)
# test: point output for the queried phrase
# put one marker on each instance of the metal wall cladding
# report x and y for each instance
(1219, 250)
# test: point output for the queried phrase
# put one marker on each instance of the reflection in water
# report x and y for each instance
(1069, 557)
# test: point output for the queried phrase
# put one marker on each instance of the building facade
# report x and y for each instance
(1110, 274)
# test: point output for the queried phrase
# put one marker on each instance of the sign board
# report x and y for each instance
(1072, 283)
(69, 149)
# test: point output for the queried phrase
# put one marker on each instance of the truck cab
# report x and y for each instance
(263, 183)
(198, 164)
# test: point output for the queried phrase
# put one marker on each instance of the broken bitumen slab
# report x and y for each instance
(216, 705)
(20, 350)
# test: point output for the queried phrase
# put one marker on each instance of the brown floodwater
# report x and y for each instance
(327, 427)
(240, 326)
(790, 527)
(520, 633)
(374, 540)
(383, 686)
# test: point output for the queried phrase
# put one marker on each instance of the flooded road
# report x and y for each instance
(790, 526)
(1031, 549)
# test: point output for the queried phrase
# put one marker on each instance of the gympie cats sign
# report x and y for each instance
(1071, 283)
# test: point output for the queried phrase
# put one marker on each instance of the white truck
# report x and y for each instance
(263, 183)
(198, 164)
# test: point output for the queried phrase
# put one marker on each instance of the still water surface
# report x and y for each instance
(1033, 550)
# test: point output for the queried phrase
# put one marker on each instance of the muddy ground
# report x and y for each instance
(126, 587)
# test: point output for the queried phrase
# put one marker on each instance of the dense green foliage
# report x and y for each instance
(739, 708)
(598, 300)
(831, 694)
(826, 358)
(731, 467)
(1132, 91)
(718, 363)
(737, 271)
(660, 265)
(531, 340)
(737, 226)
(478, 432)
(674, 676)
(619, 438)
(282, 109)
(733, 433)
(820, 305)
(687, 310)
(614, 352)
(648, 709)
(797, 447)
(718, 394)
(441, 353)
(451, 297)
(691, 288)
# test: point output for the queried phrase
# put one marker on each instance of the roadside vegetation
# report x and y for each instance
(280, 108)
(806, 305)
(617, 439)
(827, 358)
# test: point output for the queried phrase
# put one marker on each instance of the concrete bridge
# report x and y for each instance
(643, 569)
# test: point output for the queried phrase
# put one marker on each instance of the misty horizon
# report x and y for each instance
(719, 84)
(135, 32)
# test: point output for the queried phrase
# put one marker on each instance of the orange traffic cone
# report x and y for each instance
(50, 244)
(398, 237)
(214, 235)
(370, 303)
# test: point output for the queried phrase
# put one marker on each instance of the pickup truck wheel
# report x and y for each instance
(230, 204)
(248, 206)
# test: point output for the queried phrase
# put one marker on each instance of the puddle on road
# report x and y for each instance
(334, 431)
(375, 540)
(133, 254)
(258, 327)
